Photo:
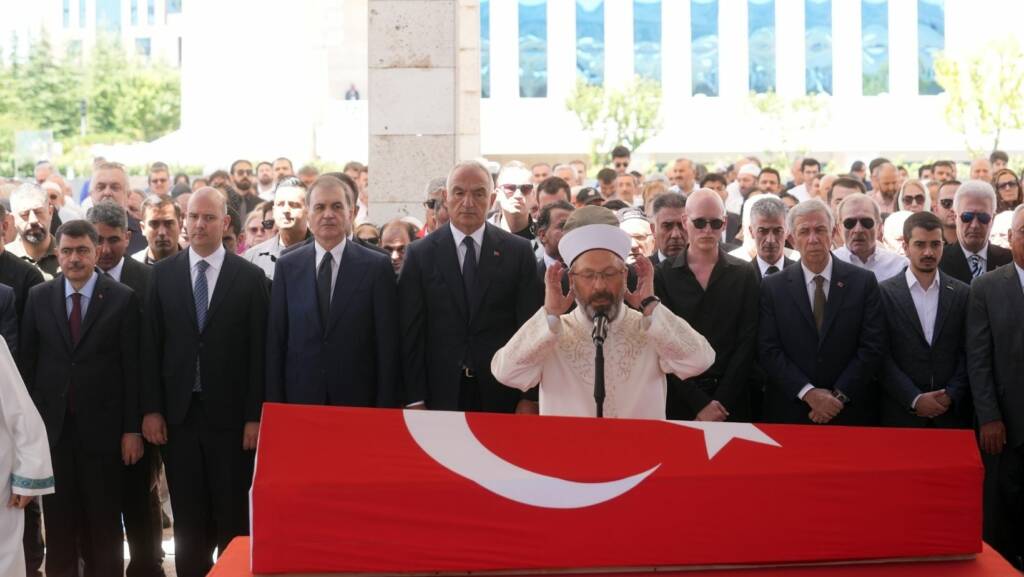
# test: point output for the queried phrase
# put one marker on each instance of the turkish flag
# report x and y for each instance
(389, 491)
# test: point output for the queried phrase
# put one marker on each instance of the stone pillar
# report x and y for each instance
(424, 98)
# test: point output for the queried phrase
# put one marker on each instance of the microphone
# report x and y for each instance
(600, 331)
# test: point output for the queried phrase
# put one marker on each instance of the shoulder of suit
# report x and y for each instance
(6, 291)
(296, 253)
(743, 265)
(369, 253)
(507, 237)
(999, 255)
(955, 283)
(244, 265)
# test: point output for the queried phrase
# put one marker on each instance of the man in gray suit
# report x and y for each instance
(995, 363)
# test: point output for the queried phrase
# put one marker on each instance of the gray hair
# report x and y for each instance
(28, 194)
(435, 185)
(860, 197)
(808, 207)
(977, 189)
(472, 164)
(769, 206)
(108, 213)
(1016, 212)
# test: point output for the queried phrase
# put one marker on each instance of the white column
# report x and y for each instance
(504, 50)
(618, 42)
(790, 48)
(561, 49)
(902, 48)
(424, 97)
(676, 60)
(733, 55)
(847, 59)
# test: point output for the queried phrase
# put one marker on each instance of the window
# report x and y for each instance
(67, 13)
(143, 48)
(108, 15)
(151, 12)
(533, 48)
(135, 12)
(931, 39)
(590, 40)
(818, 45)
(81, 13)
(874, 32)
(761, 32)
(704, 46)
(647, 38)
(174, 6)
(485, 48)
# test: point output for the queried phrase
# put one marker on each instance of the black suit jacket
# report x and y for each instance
(99, 377)
(954, 263)
(847, 355)
(136, 275)
(138, 241)
(439, 332)
(354, 362)
(995, 350)
(8, 318)
(230, 348)
(20, 276)
(911, 365)
(726, 314)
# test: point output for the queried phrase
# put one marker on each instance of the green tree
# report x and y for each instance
(50, 90)
(984, 93)
(630, 116)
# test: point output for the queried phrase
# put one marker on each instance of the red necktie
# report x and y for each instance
(75, 320)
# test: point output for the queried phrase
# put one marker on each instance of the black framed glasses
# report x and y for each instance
(946, 203)
(268, 224)
(983, 217)
(371, 240)
(523, 188)
(702, 223)
(431, 203)
(1008, 185)
(866, 222)
(915, 199)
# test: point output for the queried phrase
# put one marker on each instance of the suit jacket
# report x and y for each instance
(786, 263)
(20, 276)
(911, 365)
(8, 318)
(136, 275)
(138, 240)
(726, 314)
(995, 350)
(734, 223)
(440, 333)
(99, 377)
(847, 355)
(954, 263)
(230, 348)
(354, 361)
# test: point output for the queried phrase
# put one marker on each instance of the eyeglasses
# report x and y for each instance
(621, 164)
(268, 224)
(431, 203)
(371, 240)
(1008, 185)
(702, 223)
(946, 203)
(864, 221)
(916, 199)
(983, 217)
(510, 189)
(254, 230)
(592, 275)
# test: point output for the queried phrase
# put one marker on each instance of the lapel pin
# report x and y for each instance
(839, 284)
(496, 253)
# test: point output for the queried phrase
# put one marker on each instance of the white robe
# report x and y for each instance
(638, 353)
(25, 467)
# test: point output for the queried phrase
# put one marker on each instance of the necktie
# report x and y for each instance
(819, 301)
(976, 267)
(469, 271)
(323, 288)
(200, 293)
(771, 270)
(75, 320)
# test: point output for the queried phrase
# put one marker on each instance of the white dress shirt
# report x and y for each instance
(460, 249)
(763, 266)
(86, 292)
(548, 261)
(336, 253)
(216, 262)
(115, 271)
(1020, 273)
(885, 264)
(811, 287)
(926, 301)
(799, 192)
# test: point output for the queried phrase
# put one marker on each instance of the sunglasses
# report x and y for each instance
(372, 240)
(432, 203)
(621, 164)
(702, 223)
(916, 199)
(268, 224)
(1008, 185)
(946, 203)
(866, 222)
(523, 188)
(983, 217)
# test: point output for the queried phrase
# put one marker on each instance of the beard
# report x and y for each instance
(243, 185)
(609, 309)
(35, 234)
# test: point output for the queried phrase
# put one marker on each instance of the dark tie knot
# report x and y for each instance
(819, 281)
(771, 270)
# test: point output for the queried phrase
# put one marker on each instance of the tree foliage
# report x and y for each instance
(984, 93)
(630, 116)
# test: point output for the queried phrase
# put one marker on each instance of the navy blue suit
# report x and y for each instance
(354, 361)
(846, 357)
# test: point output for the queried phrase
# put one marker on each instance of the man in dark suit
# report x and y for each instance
(974, 207)
(80, 359)
(324, 294)
(669, 221)
(15, 272)
(110, 182)
(925, 369)
(995, 315)
(464, 291)
(550, 228)
(8, 318)
(204, 306)
(822, 334)
(141, 502)
(718, 295)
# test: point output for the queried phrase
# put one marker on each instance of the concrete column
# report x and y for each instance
(733, 49)
(676, 62)
(847, 56)
(424, 98)
(618, 43)
(561, 50)
(902, 48)
(790, 48)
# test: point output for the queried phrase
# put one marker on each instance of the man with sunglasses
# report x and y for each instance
(292, 226)
(944, 210)
(859, 217)
(436, 215)
(974, 206)
(620, 159)
(514, 200)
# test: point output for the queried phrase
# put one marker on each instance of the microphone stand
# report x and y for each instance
(599, 333)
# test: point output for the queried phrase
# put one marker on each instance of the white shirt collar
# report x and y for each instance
(1020, 273)
(215, 260)
(912, 281)
(87, 288)
(336, 252)
(763, 264)
(115, 271)
(477, 236)
(983, 253)
(548, 261)
(809, 276)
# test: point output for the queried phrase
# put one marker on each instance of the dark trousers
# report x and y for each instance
(469, 394)
(33, 538)
(208, 475)
(142, 519)
(83, 516)
(1004, 503)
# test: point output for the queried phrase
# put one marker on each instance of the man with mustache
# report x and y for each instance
(242, 181)
(32, 215)
(644, 342)
(860, 217)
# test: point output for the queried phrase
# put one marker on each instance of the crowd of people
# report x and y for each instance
(150, 326)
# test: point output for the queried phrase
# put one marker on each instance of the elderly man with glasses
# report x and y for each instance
(859, 218)
(973, 208)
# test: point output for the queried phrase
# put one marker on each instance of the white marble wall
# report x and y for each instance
(424, 93)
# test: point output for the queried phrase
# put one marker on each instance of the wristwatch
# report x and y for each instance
(647, 301)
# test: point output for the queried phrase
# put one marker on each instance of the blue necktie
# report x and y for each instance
(200, 293)
(976, 268)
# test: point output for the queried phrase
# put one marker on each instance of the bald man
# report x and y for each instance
(203, 410)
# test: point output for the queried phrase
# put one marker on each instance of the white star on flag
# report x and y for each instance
(717, 435)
